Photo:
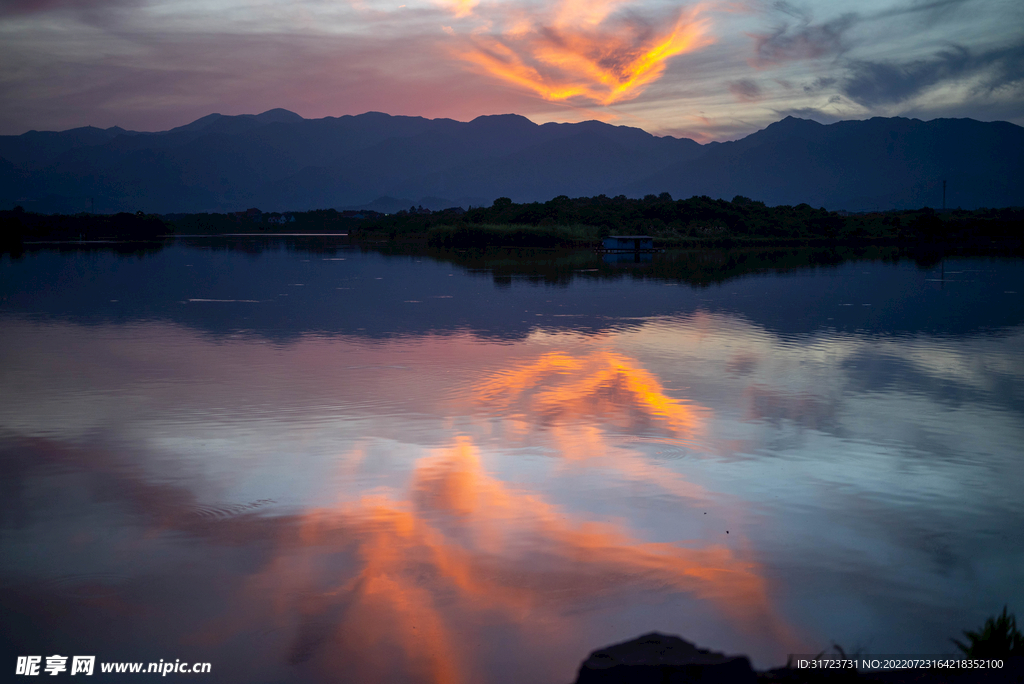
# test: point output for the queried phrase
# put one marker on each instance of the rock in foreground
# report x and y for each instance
(662, 659)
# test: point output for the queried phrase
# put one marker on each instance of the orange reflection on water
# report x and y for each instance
(582, 399)
(462, 551)
(583, 51)
(604, 385)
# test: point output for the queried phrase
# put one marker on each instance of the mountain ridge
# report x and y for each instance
(279, 161)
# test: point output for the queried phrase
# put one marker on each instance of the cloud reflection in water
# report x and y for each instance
(392, 582)
(464, 551)
(452, 507)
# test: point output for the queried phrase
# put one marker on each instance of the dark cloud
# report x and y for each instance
(930, 12)
(879, 83)
(798, 37)
(820, 84)
(22, 7)
(804, 40)
(745, 90)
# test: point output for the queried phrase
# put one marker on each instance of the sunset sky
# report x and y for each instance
(709, 71)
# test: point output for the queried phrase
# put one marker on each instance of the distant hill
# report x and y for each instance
(278, 161)
(859, 165)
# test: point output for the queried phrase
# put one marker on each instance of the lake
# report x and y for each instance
(303, 462)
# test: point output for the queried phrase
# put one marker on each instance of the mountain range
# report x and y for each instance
(279, 161)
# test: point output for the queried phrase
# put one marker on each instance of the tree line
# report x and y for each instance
(561, 221)
(701, 220)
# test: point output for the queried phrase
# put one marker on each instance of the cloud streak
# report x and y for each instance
(745, 90)
(805, 40)
(581, 50)
(10, 8)
(931, 12)
(695, 70)
(879, 83)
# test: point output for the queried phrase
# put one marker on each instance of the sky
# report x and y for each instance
(705, 70)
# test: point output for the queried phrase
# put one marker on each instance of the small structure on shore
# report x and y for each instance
(628, 243)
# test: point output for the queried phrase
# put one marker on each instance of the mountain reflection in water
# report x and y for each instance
(258, 484)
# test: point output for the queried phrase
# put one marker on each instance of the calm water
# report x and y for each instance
(309, 466)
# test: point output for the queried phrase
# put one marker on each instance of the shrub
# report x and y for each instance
(997, 639)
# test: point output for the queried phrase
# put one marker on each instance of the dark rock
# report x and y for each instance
(661, 659)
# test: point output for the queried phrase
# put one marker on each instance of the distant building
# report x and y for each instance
(629, 243)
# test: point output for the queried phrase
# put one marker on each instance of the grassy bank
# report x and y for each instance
(513, 235)
(578, 236)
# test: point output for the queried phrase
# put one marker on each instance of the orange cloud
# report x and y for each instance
(460, 8)
(583, 51)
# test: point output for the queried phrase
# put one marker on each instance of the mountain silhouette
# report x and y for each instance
(881, 163)
(280, 161)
